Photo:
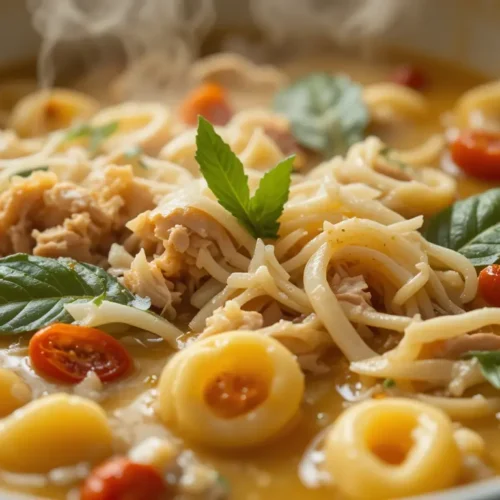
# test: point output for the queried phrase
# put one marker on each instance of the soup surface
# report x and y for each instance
(237, 417)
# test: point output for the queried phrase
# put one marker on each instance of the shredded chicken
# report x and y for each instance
(231, 317)
(353, 289)
(456, 347)
(45, 217)
(173, 243)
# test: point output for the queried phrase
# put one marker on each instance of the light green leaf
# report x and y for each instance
(225, 176)
(489, 362)
(266, 206)
(470, 227)
(96, 135)
(223, 172)
(326, 111)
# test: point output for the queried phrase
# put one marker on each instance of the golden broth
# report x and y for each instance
(271, 471)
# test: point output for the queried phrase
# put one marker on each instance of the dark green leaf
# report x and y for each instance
(27, 173)
(225, 176)
(96, 135)
(489, 362)
(471, 227)
(34, 290)
(327, 112)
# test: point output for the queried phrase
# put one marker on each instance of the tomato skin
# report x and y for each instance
(410, 76)
(489, 284)
(68, 352)
(208, 100)
(477, 153)
(121, 479)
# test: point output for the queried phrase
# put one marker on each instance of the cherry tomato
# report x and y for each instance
(477, 153)
(209, 100)
(409, 76)
(69, 352)
(120, 479)
(489, 284)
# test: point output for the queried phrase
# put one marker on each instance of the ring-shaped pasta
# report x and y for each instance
(236, 389)
(392, 448)
(148, 125)
(44, 111)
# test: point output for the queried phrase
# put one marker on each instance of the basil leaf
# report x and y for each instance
(387, 154)
(96, 135)
(266, 206)
(471, 227)
(34, 290)
(226, 177)
(28, 172)
(489, 363)
(327, 112)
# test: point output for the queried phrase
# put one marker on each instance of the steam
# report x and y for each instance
(159, 38)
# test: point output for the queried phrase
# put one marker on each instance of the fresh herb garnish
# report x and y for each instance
(134, 153)
(34, 290)
(388, 383)
(489, 363)
(225, 176)
(96, 135)
(470, 227)
(28, 172)
(327, 112)
(388, 154)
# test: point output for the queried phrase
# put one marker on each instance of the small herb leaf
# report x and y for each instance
(266, 206)
(226, 177)
(489, 362)
(34, 290)
(327, 112)
(96, 135)
(28, 172)
(471, 227)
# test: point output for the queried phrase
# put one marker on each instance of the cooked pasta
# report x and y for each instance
(189, 302)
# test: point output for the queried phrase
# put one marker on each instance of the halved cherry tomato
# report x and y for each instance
(477, 153)
(121, 479)
(69, 352)
(208, 100)
(409, 76)
(489, 284)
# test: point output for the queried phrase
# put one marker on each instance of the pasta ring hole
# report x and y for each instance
(392, 440)
(231, 395)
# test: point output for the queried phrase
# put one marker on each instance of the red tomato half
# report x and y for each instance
(409, 76)
(68, 353)
(121, 479)
(489, 285)
(477, 153)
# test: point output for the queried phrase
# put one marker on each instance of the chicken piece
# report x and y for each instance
(49, 218)
(24, 198)
(353, 289)
(456, 347)
(232, 317)
(146, 280)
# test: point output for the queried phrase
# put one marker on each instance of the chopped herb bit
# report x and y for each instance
(489, 363)
(28, 172)
(387, 152)
(96, 135)
(388, 383)
(226, 177)
(133, 151)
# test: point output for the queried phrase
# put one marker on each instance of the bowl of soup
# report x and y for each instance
(246, 260)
